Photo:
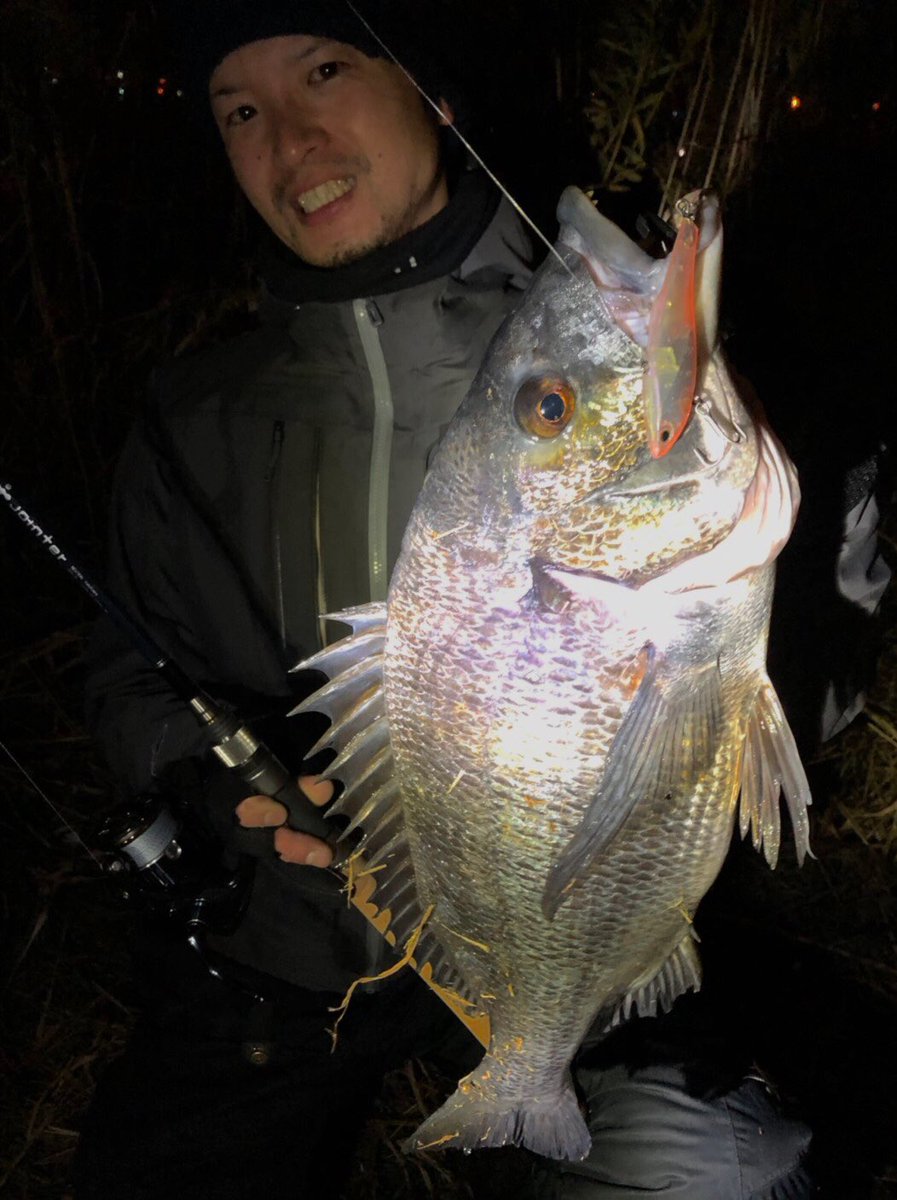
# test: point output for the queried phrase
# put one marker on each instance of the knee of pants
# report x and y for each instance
(649, 1135)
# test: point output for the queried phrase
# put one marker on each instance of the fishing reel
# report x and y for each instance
(174, 873)
(168, 868)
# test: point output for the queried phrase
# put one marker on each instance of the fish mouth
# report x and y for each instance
(703, 450)
(310, 201)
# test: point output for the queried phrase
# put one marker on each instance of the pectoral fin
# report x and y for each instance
(666, 739)
(772, 767)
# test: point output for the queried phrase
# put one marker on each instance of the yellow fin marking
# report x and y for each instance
(364, 886)
(476, 1022)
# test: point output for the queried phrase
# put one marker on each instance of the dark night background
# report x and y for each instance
(122, 242)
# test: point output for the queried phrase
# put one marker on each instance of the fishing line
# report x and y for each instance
(43, 795)
(460, 136)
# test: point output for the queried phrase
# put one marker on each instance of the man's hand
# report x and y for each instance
(256, 811)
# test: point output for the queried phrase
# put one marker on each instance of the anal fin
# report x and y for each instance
(679, 973)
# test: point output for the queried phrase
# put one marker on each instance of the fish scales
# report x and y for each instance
(573, 664)
(509, 844)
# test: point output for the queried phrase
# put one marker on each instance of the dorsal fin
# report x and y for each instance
(359, 733)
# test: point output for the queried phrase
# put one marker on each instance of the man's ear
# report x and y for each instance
(447, 113)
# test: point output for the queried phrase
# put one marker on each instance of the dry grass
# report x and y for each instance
(867, 806)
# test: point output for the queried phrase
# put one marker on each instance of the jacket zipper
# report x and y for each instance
(368, 319)
(272, 479)
(320, 582)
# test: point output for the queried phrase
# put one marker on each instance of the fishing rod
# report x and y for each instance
(232, 742)
(165, 864)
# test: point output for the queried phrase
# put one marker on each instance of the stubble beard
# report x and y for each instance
(392, 228)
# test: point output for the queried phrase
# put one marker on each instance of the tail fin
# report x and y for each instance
(477, 1115)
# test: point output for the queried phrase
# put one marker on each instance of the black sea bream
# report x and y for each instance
(545, 731)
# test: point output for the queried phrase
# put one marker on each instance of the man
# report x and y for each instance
(269, 482)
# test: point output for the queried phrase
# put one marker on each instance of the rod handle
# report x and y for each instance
(266, 775)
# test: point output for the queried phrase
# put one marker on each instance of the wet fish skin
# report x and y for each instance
(574, 662)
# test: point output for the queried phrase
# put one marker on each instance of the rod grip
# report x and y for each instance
(264, 773)
(302, 815)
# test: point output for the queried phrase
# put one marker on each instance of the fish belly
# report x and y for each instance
(501, 727)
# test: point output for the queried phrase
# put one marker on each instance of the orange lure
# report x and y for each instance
(672, 346)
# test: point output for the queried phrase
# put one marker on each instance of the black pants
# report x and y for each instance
(185, 1113)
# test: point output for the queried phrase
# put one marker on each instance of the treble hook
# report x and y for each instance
(734, 434)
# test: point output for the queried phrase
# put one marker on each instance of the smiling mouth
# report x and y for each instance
(324, 193)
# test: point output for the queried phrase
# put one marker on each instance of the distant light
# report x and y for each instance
(54, 80)
(179, 92)
(681, 152)
(121, 91)
(160, 91)
(876, 106)
(795, 102)
(119, 74)
(163, 82)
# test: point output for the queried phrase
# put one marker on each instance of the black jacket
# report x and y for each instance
(269, 481)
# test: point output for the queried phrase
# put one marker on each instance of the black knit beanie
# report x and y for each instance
(205, 31)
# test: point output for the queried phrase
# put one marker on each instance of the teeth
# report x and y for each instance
(324, 193)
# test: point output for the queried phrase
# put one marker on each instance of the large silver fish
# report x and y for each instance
(545, 731)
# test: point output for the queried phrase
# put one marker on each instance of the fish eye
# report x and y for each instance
(544, 405)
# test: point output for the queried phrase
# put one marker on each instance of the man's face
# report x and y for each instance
(334, 150)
